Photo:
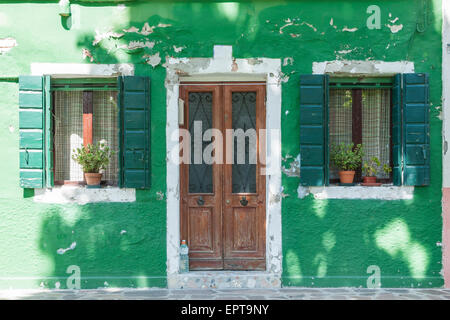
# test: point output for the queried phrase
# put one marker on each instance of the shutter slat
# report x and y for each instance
(313, 130)
(416, 128)
(30, 99)
(31, 133)
(134, 99)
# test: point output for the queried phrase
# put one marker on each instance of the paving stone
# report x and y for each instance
(385, 296)
(229, 297)
(431, 291)
(360, 298)
(295, 293)
(399, 290)
(257, 297)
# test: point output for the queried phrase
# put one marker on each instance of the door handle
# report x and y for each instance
(243, 201)
(200, 201)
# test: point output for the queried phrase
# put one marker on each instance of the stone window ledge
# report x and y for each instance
(82, 195)
(384, 192)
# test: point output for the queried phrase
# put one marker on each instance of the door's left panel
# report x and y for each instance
(201, 182)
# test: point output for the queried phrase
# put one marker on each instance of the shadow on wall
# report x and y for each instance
(351, 242)
(325, 242)
(113, 245)
(124, 244)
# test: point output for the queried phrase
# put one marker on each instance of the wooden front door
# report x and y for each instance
(223, 201)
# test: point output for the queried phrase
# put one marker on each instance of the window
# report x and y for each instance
(58, 115)
(362, 116)
(81, 118)
(389, 116)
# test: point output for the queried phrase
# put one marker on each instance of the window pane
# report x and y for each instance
(104, 128)
(376, 104)
(68, 108)
(244, 118)
(340, 115)
(200, 113)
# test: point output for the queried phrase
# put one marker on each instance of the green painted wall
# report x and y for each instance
(325, 242)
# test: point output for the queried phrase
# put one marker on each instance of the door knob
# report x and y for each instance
(243, 201)
(200, 201)
(228, 201)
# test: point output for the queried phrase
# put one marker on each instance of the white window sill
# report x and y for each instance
(383, 192)
(82, 195)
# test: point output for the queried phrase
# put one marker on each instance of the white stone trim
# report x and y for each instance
(363, 67)
(224, 66)
(363, 193)
(79, 70)
(223, 77)
(82, 195)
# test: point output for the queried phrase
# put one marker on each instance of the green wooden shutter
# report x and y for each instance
(314, 130)
(134, 118)
(397, 153)
(34, 132)
(416, 130)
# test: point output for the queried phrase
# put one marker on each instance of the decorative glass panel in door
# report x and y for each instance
(244, 127)
(200, 120)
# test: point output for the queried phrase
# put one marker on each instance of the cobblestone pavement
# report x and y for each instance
(231, 294)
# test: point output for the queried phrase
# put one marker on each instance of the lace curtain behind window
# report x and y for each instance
(376, 104)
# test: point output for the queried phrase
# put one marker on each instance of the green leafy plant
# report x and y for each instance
(370, 167)
(387, 169)
(93, 157)
(347, 157)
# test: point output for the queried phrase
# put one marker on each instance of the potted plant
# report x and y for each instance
(387, 169)
(93, 158)
(370, 169)
(347, 158)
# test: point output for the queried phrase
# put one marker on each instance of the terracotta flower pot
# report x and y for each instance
(93, 179)
(346, 176)
(369, 179)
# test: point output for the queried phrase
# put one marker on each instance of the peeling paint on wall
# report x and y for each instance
(293, 169)
(153, 60)
(6, 44)
(346, 29)
(87, 54)
(178, 49)
(105, 35)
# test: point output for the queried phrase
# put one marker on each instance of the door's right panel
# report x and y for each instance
(244, 188)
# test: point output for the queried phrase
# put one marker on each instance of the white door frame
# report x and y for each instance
(223, 67)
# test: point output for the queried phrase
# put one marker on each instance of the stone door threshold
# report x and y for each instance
(224, 280)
